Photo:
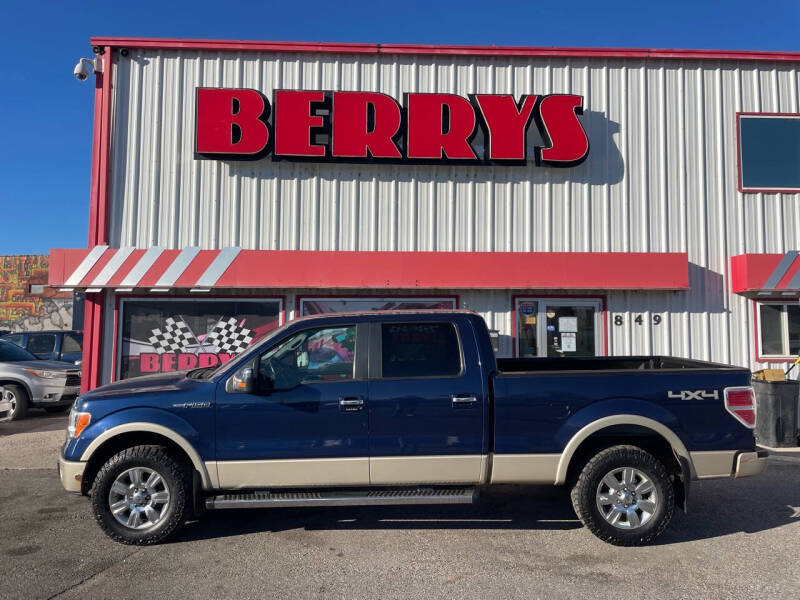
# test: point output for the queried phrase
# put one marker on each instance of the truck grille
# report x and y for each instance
(73, 379)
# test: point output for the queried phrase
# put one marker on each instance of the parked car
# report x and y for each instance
(50, 345)
(29, 381)
(407, 407)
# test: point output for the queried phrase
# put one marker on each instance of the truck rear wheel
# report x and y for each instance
(624, 496)
(141, 495)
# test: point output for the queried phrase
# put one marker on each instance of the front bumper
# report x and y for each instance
(54, 395)
(750, 463)
(71, 474)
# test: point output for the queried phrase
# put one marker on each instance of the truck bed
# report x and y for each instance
(603, 363)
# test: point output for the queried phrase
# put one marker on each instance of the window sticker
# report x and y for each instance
(569, 341)
(568, 324)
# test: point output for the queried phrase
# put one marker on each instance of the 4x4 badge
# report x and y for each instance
(694, 395)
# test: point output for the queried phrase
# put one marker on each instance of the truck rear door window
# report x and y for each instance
(420, 350)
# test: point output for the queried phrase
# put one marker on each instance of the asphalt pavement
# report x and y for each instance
(741, 539)
(36, 420)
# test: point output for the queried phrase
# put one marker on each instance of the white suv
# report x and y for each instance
(28, 381)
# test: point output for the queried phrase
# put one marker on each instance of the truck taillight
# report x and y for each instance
(741, 403)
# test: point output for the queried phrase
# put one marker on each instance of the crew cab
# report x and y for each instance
(407, 407)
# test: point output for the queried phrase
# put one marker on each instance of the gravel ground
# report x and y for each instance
(740, 540)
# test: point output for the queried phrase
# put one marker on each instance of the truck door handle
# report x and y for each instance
(351, 403)
(464, 401)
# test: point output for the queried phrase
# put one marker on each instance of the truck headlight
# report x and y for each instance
(45, 374)
(78, 421)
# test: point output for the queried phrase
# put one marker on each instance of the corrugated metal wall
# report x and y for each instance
(661, 176)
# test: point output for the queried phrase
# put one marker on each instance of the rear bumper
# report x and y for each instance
(716, 464)
(71, 474)
(750, 463)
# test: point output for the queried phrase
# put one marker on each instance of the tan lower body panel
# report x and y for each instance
(525, 468)
(717, 463)
(70, 474)
(305, 472)
(412, 470)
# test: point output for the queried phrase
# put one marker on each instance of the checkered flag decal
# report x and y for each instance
(228, 338)
(176, 337)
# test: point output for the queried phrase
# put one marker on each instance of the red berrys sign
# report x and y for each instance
(238, 124)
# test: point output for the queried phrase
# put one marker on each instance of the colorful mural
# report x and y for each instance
(25, 308)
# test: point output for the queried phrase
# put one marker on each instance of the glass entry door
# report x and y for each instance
(559, 327)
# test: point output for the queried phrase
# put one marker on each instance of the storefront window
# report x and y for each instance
(166, 335)
(558, 327)
(769, 152)
(316, 306)
(779, 329)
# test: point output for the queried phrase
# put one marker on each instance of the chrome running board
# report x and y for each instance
(377, 497)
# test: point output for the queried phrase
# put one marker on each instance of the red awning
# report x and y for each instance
(160, 269)
(766, 274)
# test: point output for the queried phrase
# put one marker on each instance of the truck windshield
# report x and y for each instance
(12, 353)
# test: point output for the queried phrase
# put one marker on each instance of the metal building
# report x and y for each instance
(676, 234)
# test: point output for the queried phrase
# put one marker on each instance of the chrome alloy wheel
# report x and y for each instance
(139, 498)
(627, 498)
(12, 400)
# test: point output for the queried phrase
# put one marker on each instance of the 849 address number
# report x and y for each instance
(619, 320)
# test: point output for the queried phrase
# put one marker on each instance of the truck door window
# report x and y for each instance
(70, 344)
(313, 355)
(43, 343)
(420, 350)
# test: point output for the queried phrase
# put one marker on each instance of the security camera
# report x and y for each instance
(81, 70)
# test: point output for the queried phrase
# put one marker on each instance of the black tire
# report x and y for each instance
(176, 480)
(57, 409)
(585, 496)
(21, 401)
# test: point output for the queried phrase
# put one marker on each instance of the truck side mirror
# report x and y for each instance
(242, 382)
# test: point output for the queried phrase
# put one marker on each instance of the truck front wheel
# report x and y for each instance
(140, 495)
(624, 496)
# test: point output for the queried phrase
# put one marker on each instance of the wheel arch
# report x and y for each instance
(588, 435)
(126, 435)
(10, 380)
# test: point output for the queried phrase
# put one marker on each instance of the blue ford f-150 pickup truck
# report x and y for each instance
(407, 408)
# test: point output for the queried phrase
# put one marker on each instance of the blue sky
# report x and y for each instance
(46, 115)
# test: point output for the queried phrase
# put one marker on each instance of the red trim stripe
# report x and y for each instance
(266, 269)
(155, 272)
(125, 268)
(751, 272)
(196, 268)
(441, 50)
(97, 267)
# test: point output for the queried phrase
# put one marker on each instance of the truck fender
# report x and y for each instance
(619, 419)
(142, 421)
